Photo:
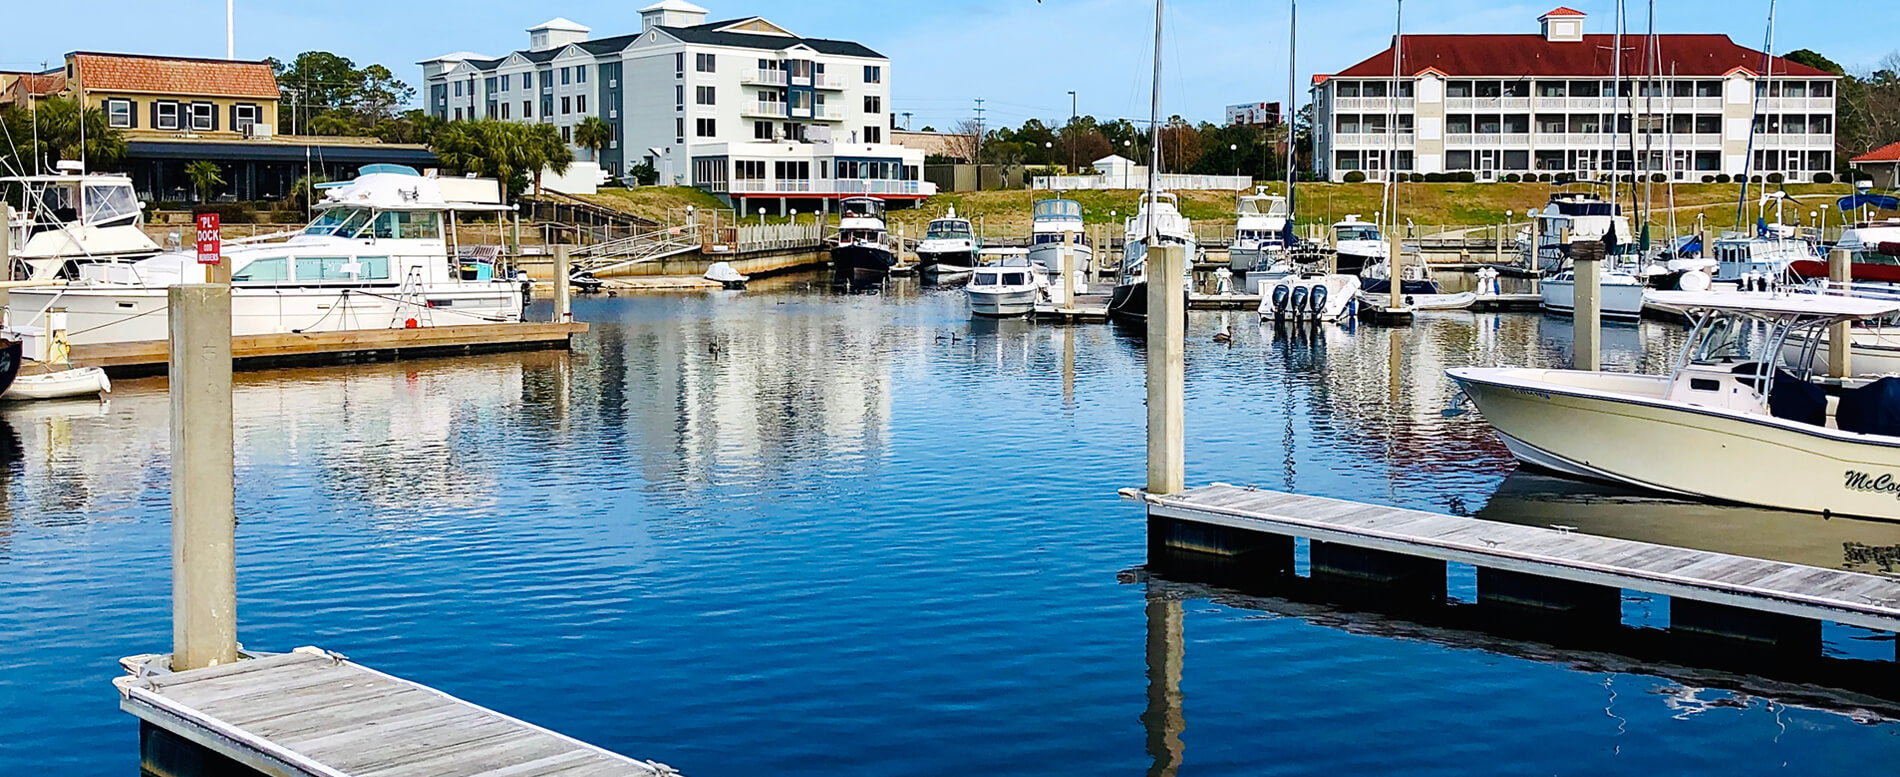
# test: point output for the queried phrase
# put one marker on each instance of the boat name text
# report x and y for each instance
(1879, 484)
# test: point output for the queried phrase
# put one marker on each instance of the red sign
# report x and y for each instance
(210, 239)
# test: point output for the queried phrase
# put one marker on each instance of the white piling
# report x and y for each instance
(1840, 355)
(563, 296)
(204, 524)
(1167, 334)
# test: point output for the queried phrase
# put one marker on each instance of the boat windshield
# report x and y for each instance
(948, 229)
(108, 203)
(339, 222)
(1356, 232)
(1059, 209)
(1725, 338)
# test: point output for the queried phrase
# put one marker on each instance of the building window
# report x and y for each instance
(492, 83)
(873, 104)
(119, 113)
(703, 95)
(527, 109)
(567, 134)
(458, 114)
(679, 97)
(705, 128)
(580, 103)
(679, 130)
(567, 105)
(580, 74)
(458, 89)
(679, 65)
(243, 116)
(748, 170)
(873, 134)
(504, 110)
(873, 74)
(204, 117)
(613, 113)
(527, 81)
(761, 130)
(704, 63)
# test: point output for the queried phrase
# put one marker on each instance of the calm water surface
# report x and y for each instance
(792, 533)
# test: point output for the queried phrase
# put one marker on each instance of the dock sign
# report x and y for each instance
(210, 239)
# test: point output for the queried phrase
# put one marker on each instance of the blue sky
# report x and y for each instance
(1023, 57)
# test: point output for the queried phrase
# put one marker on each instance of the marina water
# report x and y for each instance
(791, 532)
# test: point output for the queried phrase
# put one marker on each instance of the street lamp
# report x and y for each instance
(761, 217)
(794, 215)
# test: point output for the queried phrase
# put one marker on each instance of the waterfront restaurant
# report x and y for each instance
(1549, 103)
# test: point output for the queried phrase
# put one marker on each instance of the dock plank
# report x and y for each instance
(313, 714)
(1854, 598)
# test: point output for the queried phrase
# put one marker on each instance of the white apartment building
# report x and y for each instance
(1494, 105)
(742, 108)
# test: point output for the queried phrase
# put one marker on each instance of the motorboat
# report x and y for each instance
(1008, 287)
(379, 255)
(1874, 253)
(585, 282)
(1417, 291)
(1128, 300)
(949, 247)
(1619, 294)
(1356, 244)
(12, 358)
(1577, 217)
(1727, 423)
(727, 277)
(1772, 251)
(1260, 233)
(865, 252)
(59, 384)
(1054, 224)
(69, 219)
(1316, 297)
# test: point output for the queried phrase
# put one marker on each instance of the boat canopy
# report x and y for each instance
(397, 188)
(1785, 308)
(1058, 209)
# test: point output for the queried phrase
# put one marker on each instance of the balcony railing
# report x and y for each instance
(762, 108)
(1372, 140)
(1789, 140)
(832, 186)
(1798, 105)
(829, 81)
(1351, 104)
(765, 77)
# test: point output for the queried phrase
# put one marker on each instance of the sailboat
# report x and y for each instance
(1159, 221)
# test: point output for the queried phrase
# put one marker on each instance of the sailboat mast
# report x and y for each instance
(1761, 93)
(1292, 96)
(1616, 85)
(1154, 129)
(1392, 130)
(1649, 112)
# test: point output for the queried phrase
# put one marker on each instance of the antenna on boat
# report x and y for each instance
(1154, 129)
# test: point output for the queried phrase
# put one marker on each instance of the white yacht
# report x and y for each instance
(1054, 223)
(1008, 287)
(1357, 244)
(865, 251)
(949, 247)
(1579, 217)
(1129, 298)
(378, 256)
(1323, 298)
(1260, 233)
(72, 218)
(1725, 424)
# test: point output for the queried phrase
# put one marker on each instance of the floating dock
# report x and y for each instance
(278, 350)
(1223, 301)
(311, 713)
(1506, 303)
(1749, 600)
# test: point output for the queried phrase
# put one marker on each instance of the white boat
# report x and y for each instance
(725, 275)
(64, 221)
(1128, 300)
(1057, 222)
(1357, 245)
(1417, 291)
(1325, 298)
(949, 247)
(1772, 254)
(1725, 424)
(1260, 233)
(865, 251)
(12, 357)
(1619, 294)
(1009, 287)
(63, 384)
(377, 257)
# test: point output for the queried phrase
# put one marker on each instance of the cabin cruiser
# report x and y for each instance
(1771, 252)
(949, 247)
(1128, 300)
(1875, 253)
(1619, 294)
(12, 357)
(72, 218)
(378, 256)
(1054, 223)
(865, 252)
(1010, 286)
(1357, 244)
(1572, 218)
(1727, 423)
(1260, 233)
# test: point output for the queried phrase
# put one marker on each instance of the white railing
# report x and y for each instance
(829, 114)
(1373, 140)
(1351, 104)
(1166, 181)
(763, 108)
(779, 237)
(767, 77)
(829, 81)
(1798, 104)
(832, 186)
(648, 247)
(1790, 140)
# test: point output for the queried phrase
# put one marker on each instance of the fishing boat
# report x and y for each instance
(1159, 222)
(1009, 287)
(1619, 294)
(865, 252)
(1726, 423)
(1260, 233)
(1318, 297)
(60, 384)
(1417, 290)
(380, 255)
(72, 218)
(1055, 223)
(949, 247)
(1357, 244)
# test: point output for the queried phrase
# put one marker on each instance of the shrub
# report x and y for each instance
(1722, 178)
(1467, 177)
(1857, 175)
(287, 217)
(1755, 179)
(228, 212)
(1658, 178)
(1355, 176)
(1544, 177)
(1418, 178)
(1511, 178)
(1823, 177)
(1566, 177)
(1708, 178)
(1776, 178)
(644, 174)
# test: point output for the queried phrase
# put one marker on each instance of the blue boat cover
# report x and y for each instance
(1794, 399)
(1871, 409)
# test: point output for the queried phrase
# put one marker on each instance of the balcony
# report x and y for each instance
(1815, 141)
(1372, 140)
(1488, 104)
(774, 110)
(763, 77)
(829, 81)
(832, 186)
(1797, 105)
(1363, 104)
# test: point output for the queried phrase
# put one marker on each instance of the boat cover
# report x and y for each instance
(1794, 399)
(1871, 409)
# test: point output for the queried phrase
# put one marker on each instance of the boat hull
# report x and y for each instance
(103, 314)
(65, 384)
(1129, 301)
(1617, 427)
(1875, 351)
(1003, 304)
(861, 263)
(12, 357)
(946, 262)
(1859, 271)
(1618, 301)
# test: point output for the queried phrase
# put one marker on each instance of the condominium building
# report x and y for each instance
(1688, 106)
(743, 108)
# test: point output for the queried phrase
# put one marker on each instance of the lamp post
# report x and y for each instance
(1129, 146)
(761, 217)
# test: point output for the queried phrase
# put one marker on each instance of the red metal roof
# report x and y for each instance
(1561, 11)
(175, 75)
(1886, 153)
(1531, 55)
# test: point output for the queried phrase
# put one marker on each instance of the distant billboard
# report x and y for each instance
(1261, 114)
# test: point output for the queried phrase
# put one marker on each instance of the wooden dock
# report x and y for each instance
(279, 350)
(1503, 303)
(1223, 301)
(310, 713)
(1727, 584)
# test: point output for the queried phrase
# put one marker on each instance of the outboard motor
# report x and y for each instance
(1299, 300)
(1316, 300)
(1281, 295)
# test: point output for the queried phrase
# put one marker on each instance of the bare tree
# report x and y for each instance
(961, 141)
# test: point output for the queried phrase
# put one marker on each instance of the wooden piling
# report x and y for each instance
(204, 561)
(563, 297)
(1840, 362)
(1167, 333)
(6, 247)
(1587, 310)
(1395, 256)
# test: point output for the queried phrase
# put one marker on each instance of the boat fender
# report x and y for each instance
(1298, 304)
(1316, 301)
(1280, 295)
(1410, 300)
(1694, 280)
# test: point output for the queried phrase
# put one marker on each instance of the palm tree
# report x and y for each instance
(204, 174)
(593, 134)
(542, 149)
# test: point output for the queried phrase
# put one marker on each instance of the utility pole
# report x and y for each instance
(230, 29)
(1071, 142)
(979, 144)
(906, 116)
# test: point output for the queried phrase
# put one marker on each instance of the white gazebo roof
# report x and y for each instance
(674, 5)
(1115, 159)
(561, 23)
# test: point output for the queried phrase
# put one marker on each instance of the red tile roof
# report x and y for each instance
(1561, 11)
(1507, 56)
(175, 75)
(1886, 153)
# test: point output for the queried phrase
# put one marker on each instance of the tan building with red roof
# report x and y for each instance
(176, 96)
(1552, 102)
(1882, 163)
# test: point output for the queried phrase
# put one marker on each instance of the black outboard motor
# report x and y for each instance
(1280, 297)
(1316, 301)
(1299, 300)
